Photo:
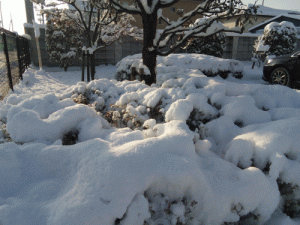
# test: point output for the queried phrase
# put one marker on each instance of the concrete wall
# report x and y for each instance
(238, 47)
(42, 41)
(114, 53)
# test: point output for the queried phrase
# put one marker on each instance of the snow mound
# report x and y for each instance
(190, 149)
(25, 125)
(95, 183)
(209, 65)
(265, 143)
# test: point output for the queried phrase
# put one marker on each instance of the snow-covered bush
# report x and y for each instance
(4, 136)
(290, 202)
(277, 39)
(210, 45)
(63, 38)
(209, 65)
(273, 148)
(133, 104)
(190, 162)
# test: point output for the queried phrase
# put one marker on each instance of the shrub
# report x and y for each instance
(210, 45)
(70, 138)
(63, 38)
(277, 39)
(209, 65)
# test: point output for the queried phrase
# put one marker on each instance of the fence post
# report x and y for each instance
(133, 74)
(7, 62)
(83, 61)
(142, 74)
(19, 57)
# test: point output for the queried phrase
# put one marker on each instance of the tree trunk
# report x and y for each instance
(149, 55)
(66, 67)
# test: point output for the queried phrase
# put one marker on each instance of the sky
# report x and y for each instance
(17, 9)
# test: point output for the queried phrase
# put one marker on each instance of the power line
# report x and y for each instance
(11, 24)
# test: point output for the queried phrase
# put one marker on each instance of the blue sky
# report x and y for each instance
(17, 9)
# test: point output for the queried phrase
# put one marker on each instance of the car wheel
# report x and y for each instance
(280, 76)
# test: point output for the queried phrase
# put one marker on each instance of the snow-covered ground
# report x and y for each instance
(191, 150)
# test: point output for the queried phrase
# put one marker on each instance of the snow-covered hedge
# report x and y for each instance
(208, 65)
(201, 150)
(210, 45)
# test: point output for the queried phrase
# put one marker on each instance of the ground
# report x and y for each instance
(199, 150)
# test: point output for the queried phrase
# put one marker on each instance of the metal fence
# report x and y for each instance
(14, 59)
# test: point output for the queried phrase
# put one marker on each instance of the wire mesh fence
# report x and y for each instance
(14, 59)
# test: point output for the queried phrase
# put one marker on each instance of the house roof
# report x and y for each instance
(289, 16)
(267, 11)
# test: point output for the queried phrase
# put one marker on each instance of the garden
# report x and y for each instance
(190, 149)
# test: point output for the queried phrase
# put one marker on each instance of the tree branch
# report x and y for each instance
(125, 8)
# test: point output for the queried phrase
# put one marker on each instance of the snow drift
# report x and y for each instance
(190, 150)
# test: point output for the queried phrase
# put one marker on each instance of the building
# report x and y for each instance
(173, 12)
(264, 14)
(295, 19)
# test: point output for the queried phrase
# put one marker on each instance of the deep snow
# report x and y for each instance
(163, 174)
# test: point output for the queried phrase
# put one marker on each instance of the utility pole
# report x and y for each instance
(263, 1)
(29, 11)
(1, 17)
(37, 35)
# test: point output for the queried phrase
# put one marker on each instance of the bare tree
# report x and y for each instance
(154, 43)
(101, 25)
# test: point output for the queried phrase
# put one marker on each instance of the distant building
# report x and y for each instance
(264, 14)
(172, 13)
(295, 19)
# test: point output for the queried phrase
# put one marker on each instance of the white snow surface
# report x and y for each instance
(180, 63)
(117, 174)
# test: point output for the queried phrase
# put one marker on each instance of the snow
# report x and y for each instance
(261, 47)
(209, 65)
(280, 26)
(149, 6)
(27, 36)
(190, 149)
(179, 110)
(36, 29)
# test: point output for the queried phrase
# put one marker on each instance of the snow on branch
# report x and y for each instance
(209, 25)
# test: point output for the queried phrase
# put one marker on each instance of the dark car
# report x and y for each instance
(283, 70)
